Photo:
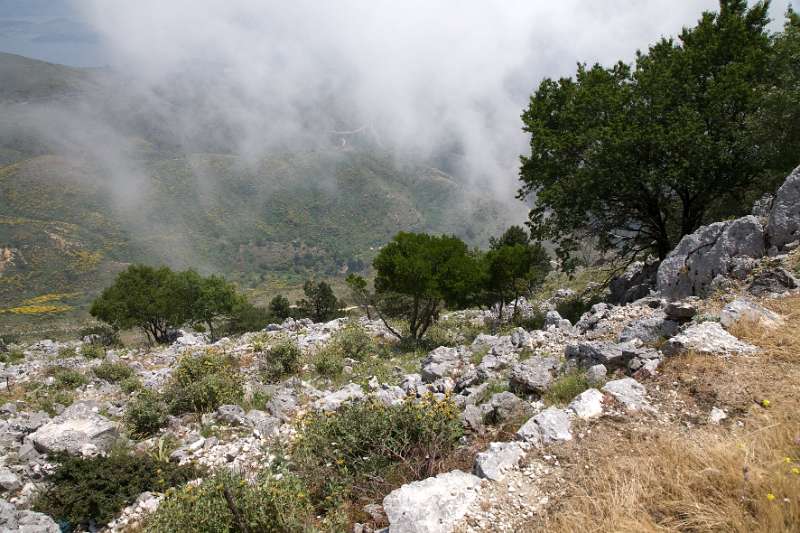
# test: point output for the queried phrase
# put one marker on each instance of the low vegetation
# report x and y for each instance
(202, 383)
(146, 414)
(280, 360)
(113, 372)
(86, 493)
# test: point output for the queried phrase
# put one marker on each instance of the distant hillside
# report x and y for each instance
(69, 222)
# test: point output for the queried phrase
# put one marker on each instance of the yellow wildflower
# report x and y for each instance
(770, 496)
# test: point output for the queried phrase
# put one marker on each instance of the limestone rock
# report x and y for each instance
(636, 282)
(13, 520)
(707, 338)
(680, 311)
(596, 374)
(741, 309)
(784, 219)
(629, 393)
(588, 404)
(433, 505)
(713, 250)
(549, 426)
(77, 432)
(334, 400)
(494, 463)
(535, 375)
(649, 329)
(772, 281)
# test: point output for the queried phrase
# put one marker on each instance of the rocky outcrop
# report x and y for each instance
(535, 375)
(13, 520)
(771, 281)
(588, 404)
(727, 249)
(741, 309)
(630, 393)
(636, 282)
(79, 430)
(549, 426)
(783, 228)
(433, 505)
(707, 338)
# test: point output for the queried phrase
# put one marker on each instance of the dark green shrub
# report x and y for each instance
(145, 414)
(530, 323)
(280, 360)
(573, 308)
(367, 447)
(245, 317)
(201, 384)
(280, 308)
(86, 493)
(271, 504)
(113, 372)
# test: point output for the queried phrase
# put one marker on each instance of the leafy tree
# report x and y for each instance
(208, 299)
(513, 235)
(144, 297)
(247, 317)
(638, 156)
(359, 293)
(320, 304)
(422, 273)
(514, 270)
(280, 308)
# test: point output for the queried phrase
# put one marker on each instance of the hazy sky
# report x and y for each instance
(425, 74)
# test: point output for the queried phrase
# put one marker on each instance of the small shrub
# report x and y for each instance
(67, 352)
(271, 504)
(573, 308)
(130, 385)
(245, 317)
(533, 322)
(328, 362)
(281, 360)
(354, 342)
(441, 335)
(145, 414)
(565, 388)
(86, 493)
(368, 447)
(93, 351)
(105, 334)
(113, 372)
(12, 356)
(47, 398)
(201, 384)
(67, 378)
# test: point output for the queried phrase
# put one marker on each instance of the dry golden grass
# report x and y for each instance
(743, 476)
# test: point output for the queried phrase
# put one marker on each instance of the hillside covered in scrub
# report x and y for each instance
(266, 280)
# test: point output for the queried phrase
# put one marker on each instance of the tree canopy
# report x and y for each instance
(426, 272)
(636, 156)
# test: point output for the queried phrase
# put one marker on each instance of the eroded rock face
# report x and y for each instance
(588, 404)
(772, 281)
(784, 218)
(707, 338)
(629, 393)
(636, 282)
(535, 375)
(433, 505)
(721, 249)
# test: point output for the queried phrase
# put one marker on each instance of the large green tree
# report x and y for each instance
(145, 297)
(636, 156)
(417, 274)
(513, 267)
(320, 303)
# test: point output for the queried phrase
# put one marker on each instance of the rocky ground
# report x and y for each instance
(508, 386)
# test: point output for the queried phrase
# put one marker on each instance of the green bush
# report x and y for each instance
(86, 493)
(368, 447)
(271, 504)
(203, 383)
(145, 414)
(281, 360)
(573, 308)
(108, 336)
(47, 398)
(130, 385)
(354, 342)
(245, 317)
(530, 323)
(565, 388)
(67, 378)
(12, 356)
(93, 351)
(113, 372)
(328, 362)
